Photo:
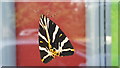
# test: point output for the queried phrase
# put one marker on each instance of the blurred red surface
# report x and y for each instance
(70, 17)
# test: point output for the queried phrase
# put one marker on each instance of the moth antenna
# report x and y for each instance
(35, 11)
(55, 14)
(47, 13)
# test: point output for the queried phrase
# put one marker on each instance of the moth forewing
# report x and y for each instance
(43, 22)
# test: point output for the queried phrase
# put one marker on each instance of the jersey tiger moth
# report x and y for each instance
(52, 41)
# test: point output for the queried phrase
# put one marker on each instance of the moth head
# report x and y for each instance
(41, 16)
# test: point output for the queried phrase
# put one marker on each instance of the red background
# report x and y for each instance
(70, 17)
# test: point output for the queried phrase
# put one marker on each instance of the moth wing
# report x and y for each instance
(59, 40)
(65, 46)
(45, 55)
(43, 43)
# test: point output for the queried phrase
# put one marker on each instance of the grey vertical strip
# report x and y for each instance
(101, 34)
(108, 32)
(105, 31)
(99, 31)
(105, 34)
(8, 34)
(92, 33)
(0, 34)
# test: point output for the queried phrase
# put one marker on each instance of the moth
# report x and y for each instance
(52, 41)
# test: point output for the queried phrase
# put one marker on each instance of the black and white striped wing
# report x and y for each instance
(59, 40)
(45, 54)
(52, 37)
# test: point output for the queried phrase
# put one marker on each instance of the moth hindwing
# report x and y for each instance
(52, 41)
